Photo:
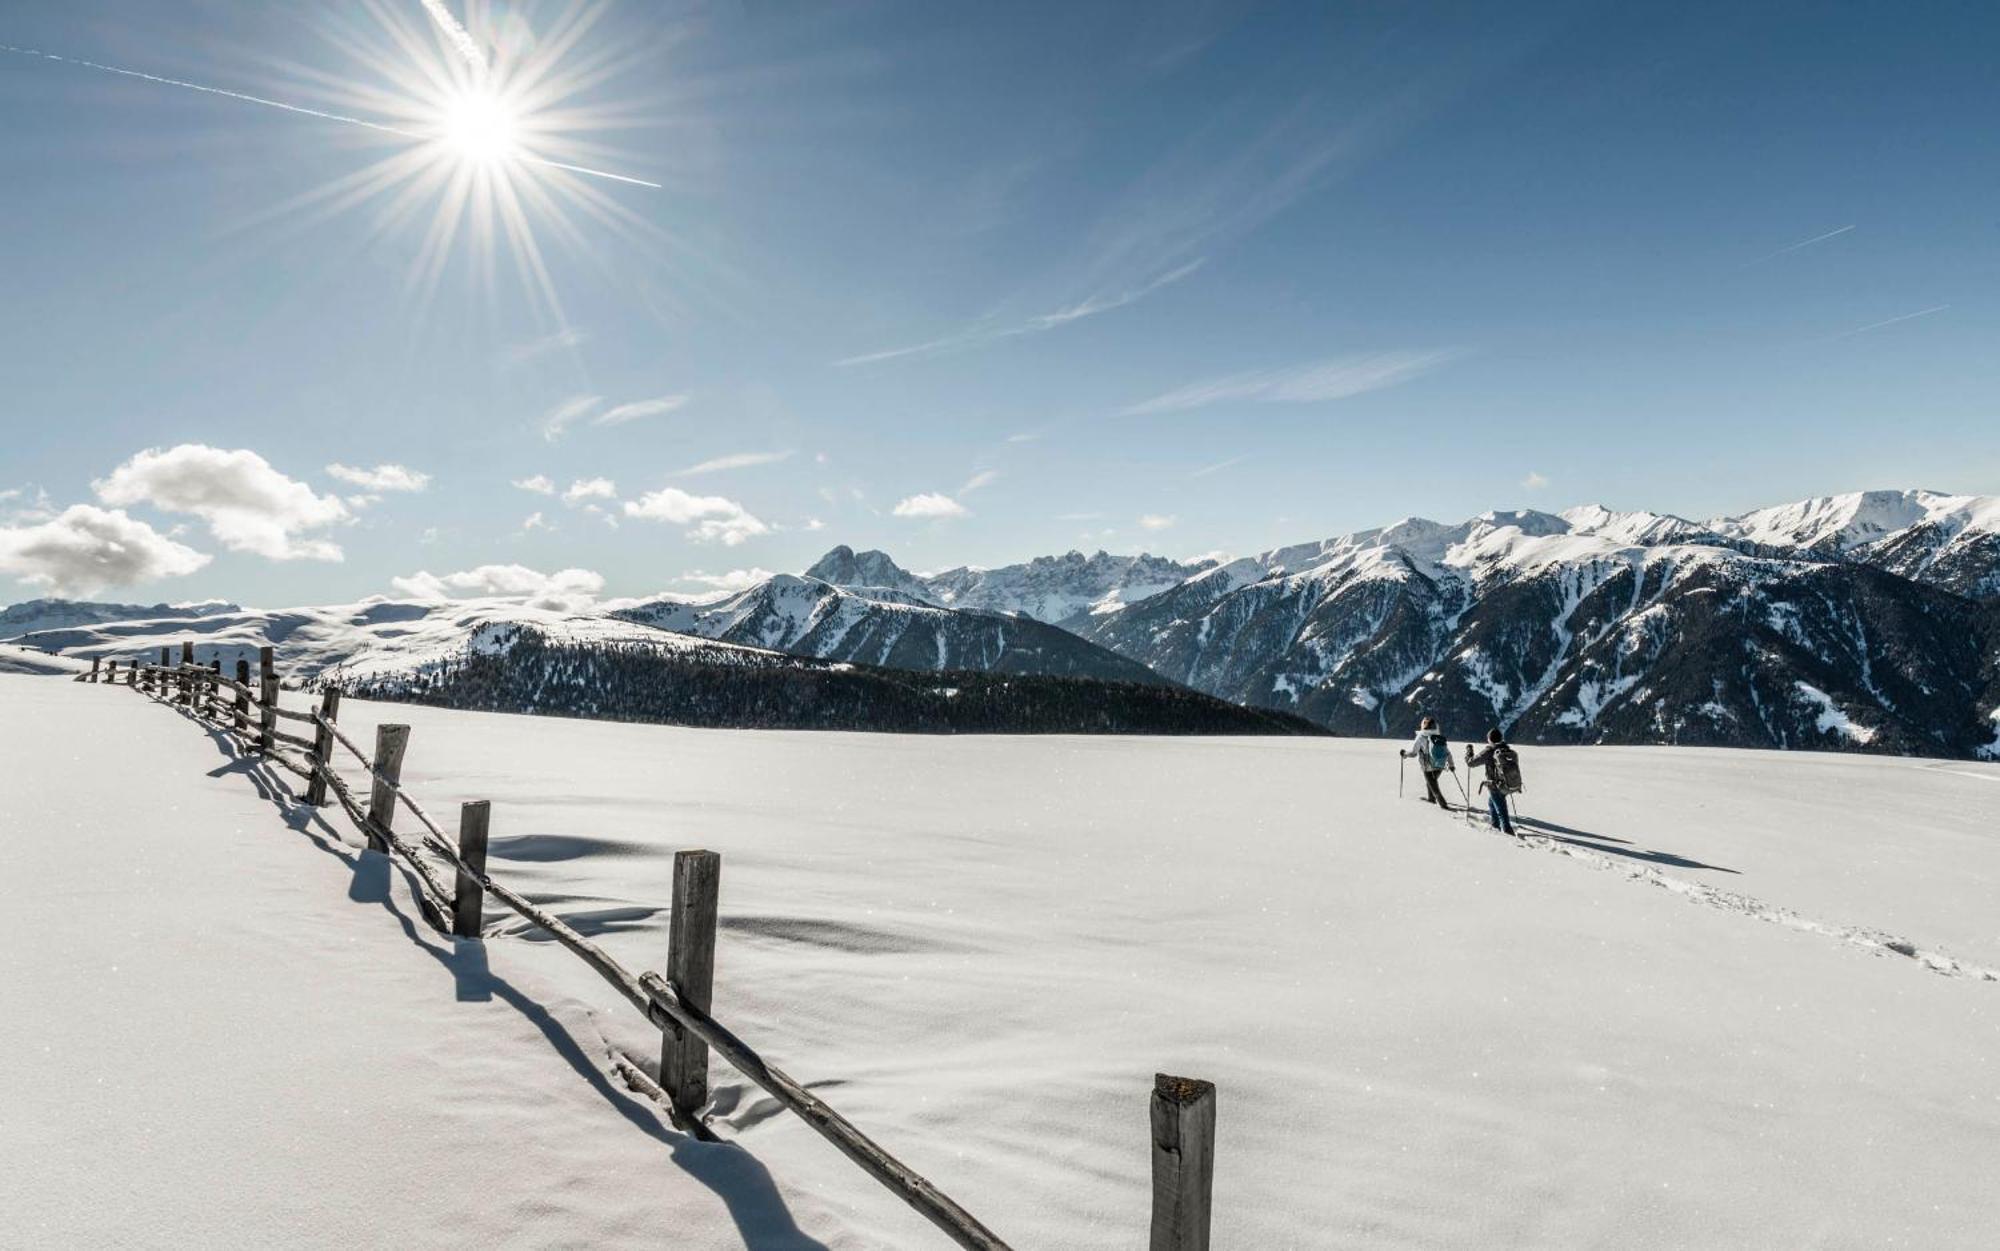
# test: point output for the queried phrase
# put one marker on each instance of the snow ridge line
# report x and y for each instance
(1880, 942)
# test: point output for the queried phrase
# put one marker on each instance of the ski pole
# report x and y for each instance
(1402, 768)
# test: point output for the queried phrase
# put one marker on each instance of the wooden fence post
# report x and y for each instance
(466, 904)
(187, 674)
(213, 688)
(390, 743)
(322, 757)
(267, 696)
(242, 696)
(95, 661)
(1183, 1162)
(160, 678)
(111, 673)
(691, 968)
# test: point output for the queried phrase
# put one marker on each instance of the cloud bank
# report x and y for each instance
(248, 505)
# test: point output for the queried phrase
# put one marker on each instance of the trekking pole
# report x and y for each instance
(1402, 767)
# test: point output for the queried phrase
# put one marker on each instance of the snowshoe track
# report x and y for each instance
(1880, 942)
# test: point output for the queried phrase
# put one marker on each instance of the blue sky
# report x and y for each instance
(973, 283)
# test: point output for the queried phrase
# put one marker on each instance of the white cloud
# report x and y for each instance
(566, 414)
(814, 523)
(734, 580)
(985, 477)
(248, 505)
(1025, 436)
(931, 504)
(1154, 521)
(85, 549)
(590, 489)
(535, 521)
(381, 477)
(1534, 481)
(735, 460)
(566, 590)
(537, 485)
(619, 414)
(359, 502)
(707, 518)
(1306, 384)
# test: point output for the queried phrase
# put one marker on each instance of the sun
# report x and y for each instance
(480, 126)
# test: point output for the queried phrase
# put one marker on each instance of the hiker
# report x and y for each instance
(1433, 756)
(1503, 777)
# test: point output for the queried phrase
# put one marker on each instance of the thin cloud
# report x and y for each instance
(1337, 379)
(1155, 521)
(567, 339)
(1534, 481)
(984, 478)
(565, 590)
(589, 409)
(733, 580)
(1090, 307)
(559, 419)
(619, 414)
(735, 460)
(537, 485)
(1890, 321)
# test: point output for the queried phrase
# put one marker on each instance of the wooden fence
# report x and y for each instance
(678, 1002)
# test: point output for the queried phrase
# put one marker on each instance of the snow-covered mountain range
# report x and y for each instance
(886, 626)
(1865, 621)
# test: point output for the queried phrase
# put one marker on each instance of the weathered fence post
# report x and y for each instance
(466, 904)
(160, 678)
(111, 673)
(95, 661)
(322, 757)
(691, 968)
(187, 674)
(267, 697)
(390, 743)
(1183, 1162)
(242, 696)
(214, 687)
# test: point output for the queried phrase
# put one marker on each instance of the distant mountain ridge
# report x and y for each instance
(1061, 590)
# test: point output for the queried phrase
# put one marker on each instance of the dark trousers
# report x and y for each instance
(1496, 810)
(1431, 784)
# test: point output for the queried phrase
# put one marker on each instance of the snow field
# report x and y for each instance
(1423, 1035)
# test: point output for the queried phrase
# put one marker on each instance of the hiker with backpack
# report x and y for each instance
(1503, 777)
(1433, 756)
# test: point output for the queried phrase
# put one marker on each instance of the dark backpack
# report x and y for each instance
(1506, 769)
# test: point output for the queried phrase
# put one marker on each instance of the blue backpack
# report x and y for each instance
(1437, 754)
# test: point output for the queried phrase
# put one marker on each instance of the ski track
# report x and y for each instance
(1880, 942)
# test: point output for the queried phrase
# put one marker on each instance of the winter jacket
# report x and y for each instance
(1485, 759)
(1421, 749)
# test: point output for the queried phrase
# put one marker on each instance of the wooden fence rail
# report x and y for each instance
(1182, 1110)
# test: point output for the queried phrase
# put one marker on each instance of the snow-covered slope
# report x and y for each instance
(1066, 589)
(34, 615)
(15, 658)
(878, 625)
(371, 639)
(1680, 1017)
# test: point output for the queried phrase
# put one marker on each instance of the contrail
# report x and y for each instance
(1890, 321)
(1803, 243)
(384, 127)
(460, 37)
